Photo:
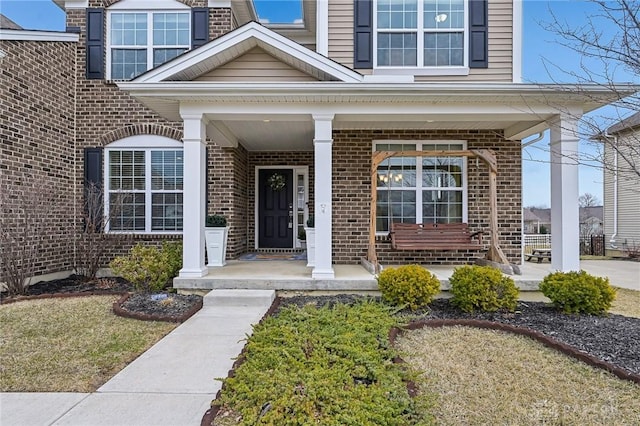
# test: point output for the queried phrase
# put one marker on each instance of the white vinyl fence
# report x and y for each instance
(534, 241)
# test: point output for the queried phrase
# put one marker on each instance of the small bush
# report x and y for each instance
(147, 268)
(173, 251)
(216, 221)
(484, 288)
(410, 285)
(321, 366)
(578, 292)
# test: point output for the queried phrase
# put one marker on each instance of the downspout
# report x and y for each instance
(531, 142)
(612, 241)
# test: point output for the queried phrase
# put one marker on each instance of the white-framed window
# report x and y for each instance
(140, 40)
(144, 185)
(421, 189)
(420, 34)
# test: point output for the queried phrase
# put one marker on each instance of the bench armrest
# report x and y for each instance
(479, 235)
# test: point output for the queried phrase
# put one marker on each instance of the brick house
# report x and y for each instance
(189, 107)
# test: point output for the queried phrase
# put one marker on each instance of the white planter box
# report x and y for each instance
(311, 246)
(216, 239)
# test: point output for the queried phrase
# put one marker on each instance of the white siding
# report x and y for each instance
(256, 66)
(500, 42)
(341, 31)
(628, 197)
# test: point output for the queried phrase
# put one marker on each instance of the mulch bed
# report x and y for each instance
(166, 306)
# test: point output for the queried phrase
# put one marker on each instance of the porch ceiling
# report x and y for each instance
(278, 116)
(295, 132)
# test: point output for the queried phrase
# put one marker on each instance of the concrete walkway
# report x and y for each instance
(173, 383)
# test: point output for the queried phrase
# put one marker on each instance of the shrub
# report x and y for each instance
(216, 221)
(578, 292)
(410, 285)
(147, 268)
(321, 366)
(484, 288)
(173, 251)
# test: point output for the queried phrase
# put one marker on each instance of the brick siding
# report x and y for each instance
(37, 130)
(106, 114)
(352, 192)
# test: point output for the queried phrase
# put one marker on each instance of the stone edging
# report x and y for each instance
(118, 310)
(212, 412)
(62, 296)
(536, 335)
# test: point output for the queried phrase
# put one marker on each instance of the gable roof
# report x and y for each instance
(8, 24)
(628, 123)
(236, 43)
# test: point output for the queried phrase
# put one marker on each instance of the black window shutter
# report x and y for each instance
(478, 34)
(93, 207)
(199, 26)
(95, 43)
(363, 34)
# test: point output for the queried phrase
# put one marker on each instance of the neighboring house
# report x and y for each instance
(181, 108)
(622, 187)
(536, 220)
(8, 24)
(591, 220)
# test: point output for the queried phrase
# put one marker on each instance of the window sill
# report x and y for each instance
(431, 71)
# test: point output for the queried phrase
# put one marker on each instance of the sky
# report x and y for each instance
(543, 60)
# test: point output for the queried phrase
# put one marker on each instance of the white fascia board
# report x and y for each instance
(517, 42)
(562, 91)
(35, 35)
(219, 3)
(72, 4)
(148, 5)
(259, 32)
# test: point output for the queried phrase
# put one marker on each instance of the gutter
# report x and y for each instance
(612, 241)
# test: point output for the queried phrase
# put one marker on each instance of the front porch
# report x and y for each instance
(333, 119)
(296, 276)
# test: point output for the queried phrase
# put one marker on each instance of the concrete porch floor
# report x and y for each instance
(295, 276)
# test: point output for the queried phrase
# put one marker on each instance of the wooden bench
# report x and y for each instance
(434, 236)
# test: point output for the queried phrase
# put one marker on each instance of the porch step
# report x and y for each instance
(238, 298)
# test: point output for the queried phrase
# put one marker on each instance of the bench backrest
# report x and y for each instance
(431, 235)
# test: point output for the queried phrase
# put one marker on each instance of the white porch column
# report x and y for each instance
(322, 143)
(565, 223)
(194, 197)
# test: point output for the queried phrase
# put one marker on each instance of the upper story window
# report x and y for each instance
(421, 189)
(420, 33)
(139, 41)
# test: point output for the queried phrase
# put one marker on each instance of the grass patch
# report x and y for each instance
(329, 366)
(490, 377)
(627, 303)
(68, 344)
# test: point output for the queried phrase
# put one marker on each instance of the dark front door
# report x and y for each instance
(275, 208)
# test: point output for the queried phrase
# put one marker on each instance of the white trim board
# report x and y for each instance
(34, 35)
